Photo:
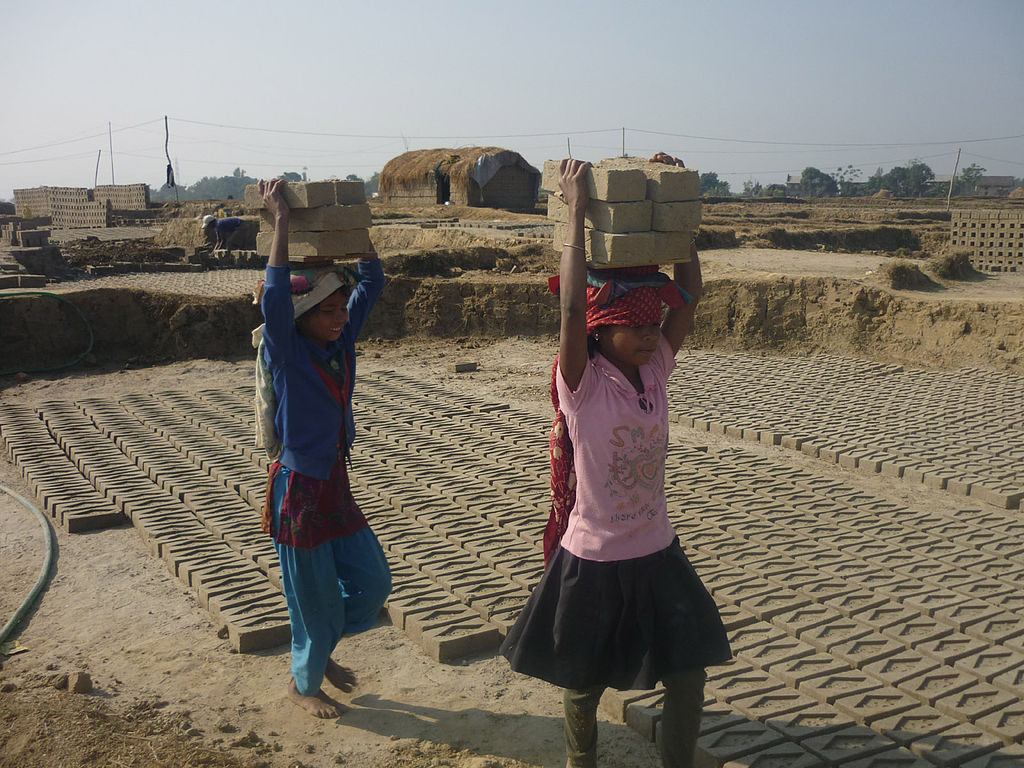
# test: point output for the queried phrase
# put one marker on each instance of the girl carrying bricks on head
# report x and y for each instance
(335, 575)
(619, 604)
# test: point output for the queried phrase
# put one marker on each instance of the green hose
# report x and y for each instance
(88, 327)
(44, 572)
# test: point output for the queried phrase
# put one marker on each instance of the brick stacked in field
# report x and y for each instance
(329, 220)
(32, 202)
(123, 197)
(994, 238)
(639, 212)
(79, 215)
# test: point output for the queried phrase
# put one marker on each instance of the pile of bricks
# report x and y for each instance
(639, 212)
(329, 221)
(123, 197)
(995, 238)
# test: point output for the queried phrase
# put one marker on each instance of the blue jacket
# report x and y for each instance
(308, 418)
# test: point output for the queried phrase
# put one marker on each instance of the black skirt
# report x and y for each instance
(624, 624)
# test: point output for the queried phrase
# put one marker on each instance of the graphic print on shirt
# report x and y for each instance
(636, 471)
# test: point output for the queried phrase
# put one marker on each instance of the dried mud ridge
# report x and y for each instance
(789, 315)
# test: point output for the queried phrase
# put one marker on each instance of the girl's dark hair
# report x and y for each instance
(591, 345)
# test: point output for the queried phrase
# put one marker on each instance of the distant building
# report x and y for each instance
(994, 186)
(490, 177)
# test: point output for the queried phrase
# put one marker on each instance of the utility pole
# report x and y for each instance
(96, 176)
(110, 136)
(952, 179)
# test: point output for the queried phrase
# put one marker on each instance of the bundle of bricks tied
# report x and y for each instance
(329, 221)
(640, 212)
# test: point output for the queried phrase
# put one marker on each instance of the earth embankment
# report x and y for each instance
(775, 313)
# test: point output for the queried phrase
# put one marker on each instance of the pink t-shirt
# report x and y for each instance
(619, 440)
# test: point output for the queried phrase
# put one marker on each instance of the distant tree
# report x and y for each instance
(353, 177)
(908, 181)
(710, 184)
(752, 188)
(816, 183)
(847, 178)
(966, 183)
(372, 183)
(291, 176)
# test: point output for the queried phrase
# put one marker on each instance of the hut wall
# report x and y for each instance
(424, 193)
(511, 187)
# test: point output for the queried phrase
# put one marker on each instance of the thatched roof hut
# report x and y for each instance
(479, 176)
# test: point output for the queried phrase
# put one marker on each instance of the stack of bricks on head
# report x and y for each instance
(640, 212)
(329, 221)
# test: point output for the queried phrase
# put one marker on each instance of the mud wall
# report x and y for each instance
(783, 315)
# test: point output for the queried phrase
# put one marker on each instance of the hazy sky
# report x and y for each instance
(750, 89)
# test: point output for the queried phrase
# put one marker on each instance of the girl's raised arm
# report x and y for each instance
(679, 320)
(278, 208)
(572, 289)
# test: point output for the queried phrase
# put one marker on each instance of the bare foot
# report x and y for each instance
(342, 678)
(320, 705)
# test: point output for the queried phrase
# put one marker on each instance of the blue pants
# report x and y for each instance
(332, 590)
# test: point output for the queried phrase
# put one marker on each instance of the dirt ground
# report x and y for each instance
(167, 692)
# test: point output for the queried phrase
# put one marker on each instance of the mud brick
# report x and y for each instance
(1004, 497)
(717, 716)
(772, 652)
(323, 219)
(632, 216)
(401, 607)
(754, 636)
(1006, 724)
(861, 651)
(248, 636)
(635, 249)
(448, 639)
(349, 192)
(915, 631)
(828, 688)
(827, 636)
(850, 604)
(949, 649)
(615, 702)
(772, 704)
(990, 662)
(87, 516)
(682, 216)
(298, 194)
(937, 684)
(744, 681)
(913, 724)
(854, 742)
(896, 758)
(955, 746)
(734, 618)
(813, 719)
(210, 583)
(191, 572)
(975, 701)
(319, 246)
(1005, 757)
(900, 667)
(886, 615)
(1010, 680)
(669, 184)
(997, 629)
(734, 742)
(255, 599)
(488, 602)
(963, 615)
(613, 185)
(874, 705)
(779, 756)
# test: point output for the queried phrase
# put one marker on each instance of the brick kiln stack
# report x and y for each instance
(639, 212)
(329, 220)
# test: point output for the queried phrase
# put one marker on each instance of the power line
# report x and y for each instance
(396, 136)
(833, 144)
(72, 141)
